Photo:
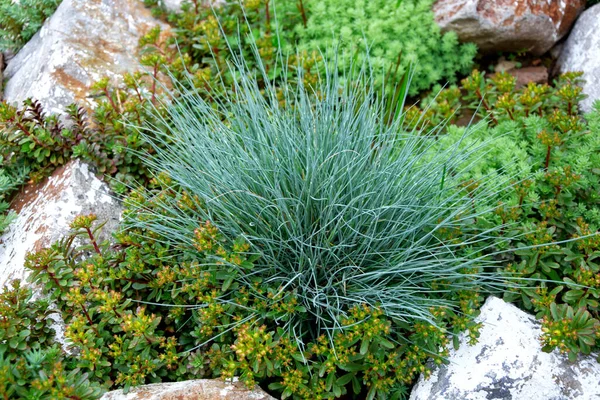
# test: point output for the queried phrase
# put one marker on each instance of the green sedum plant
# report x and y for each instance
(554, 151)
(33, 143)
(19, 21)
(205, 35)
(31, 365)
(399, 35)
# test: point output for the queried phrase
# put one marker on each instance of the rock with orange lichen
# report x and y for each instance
(82, 42)
(508, 25)
(200, 389)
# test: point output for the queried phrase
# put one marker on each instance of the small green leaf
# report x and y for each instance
(364, 346)
(344, 379)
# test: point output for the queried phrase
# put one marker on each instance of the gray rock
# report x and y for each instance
(506, 25)
(45, 211)
(508, 363)
(200, 389)
(581, 52)
(82, 42)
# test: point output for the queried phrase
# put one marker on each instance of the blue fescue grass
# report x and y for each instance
(342, 208)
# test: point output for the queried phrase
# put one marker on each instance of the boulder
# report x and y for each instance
(200, 389)
(508, 363)
(581, 52)
(508, 25)
(82, 42)
(45, 211)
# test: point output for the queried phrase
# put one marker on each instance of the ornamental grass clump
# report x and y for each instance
(340, 209)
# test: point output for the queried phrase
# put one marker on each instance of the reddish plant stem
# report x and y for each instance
(268, 16)
(302, 12)
(96, 247)
(88, 318)
(510, 114)
(139, 95)
(548, 154)
(112, 103)
(29, 134)
(53, 277)
(486, 105)
(154, 78)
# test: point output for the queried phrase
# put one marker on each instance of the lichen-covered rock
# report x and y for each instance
(200, 389)
(45, 211)
(508, 25)
(508, 363)
(82, 42)
(581, 52)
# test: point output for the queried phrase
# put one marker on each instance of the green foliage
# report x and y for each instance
(35, 140)
(315, 203)
(34, 143)
(204, 36)
(398, 34)
(554, 151)
(31, 145)
(19, 21)
(31, 366)
(7, 184)
(315, 197)
(134, 316)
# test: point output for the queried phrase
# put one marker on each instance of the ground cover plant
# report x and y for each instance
(33, 143)
(251, 285)
(205, 36)
(306, 238)
(329, 229)
(19, 21)
(397, 34)
(542, 134)
(31, 365)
